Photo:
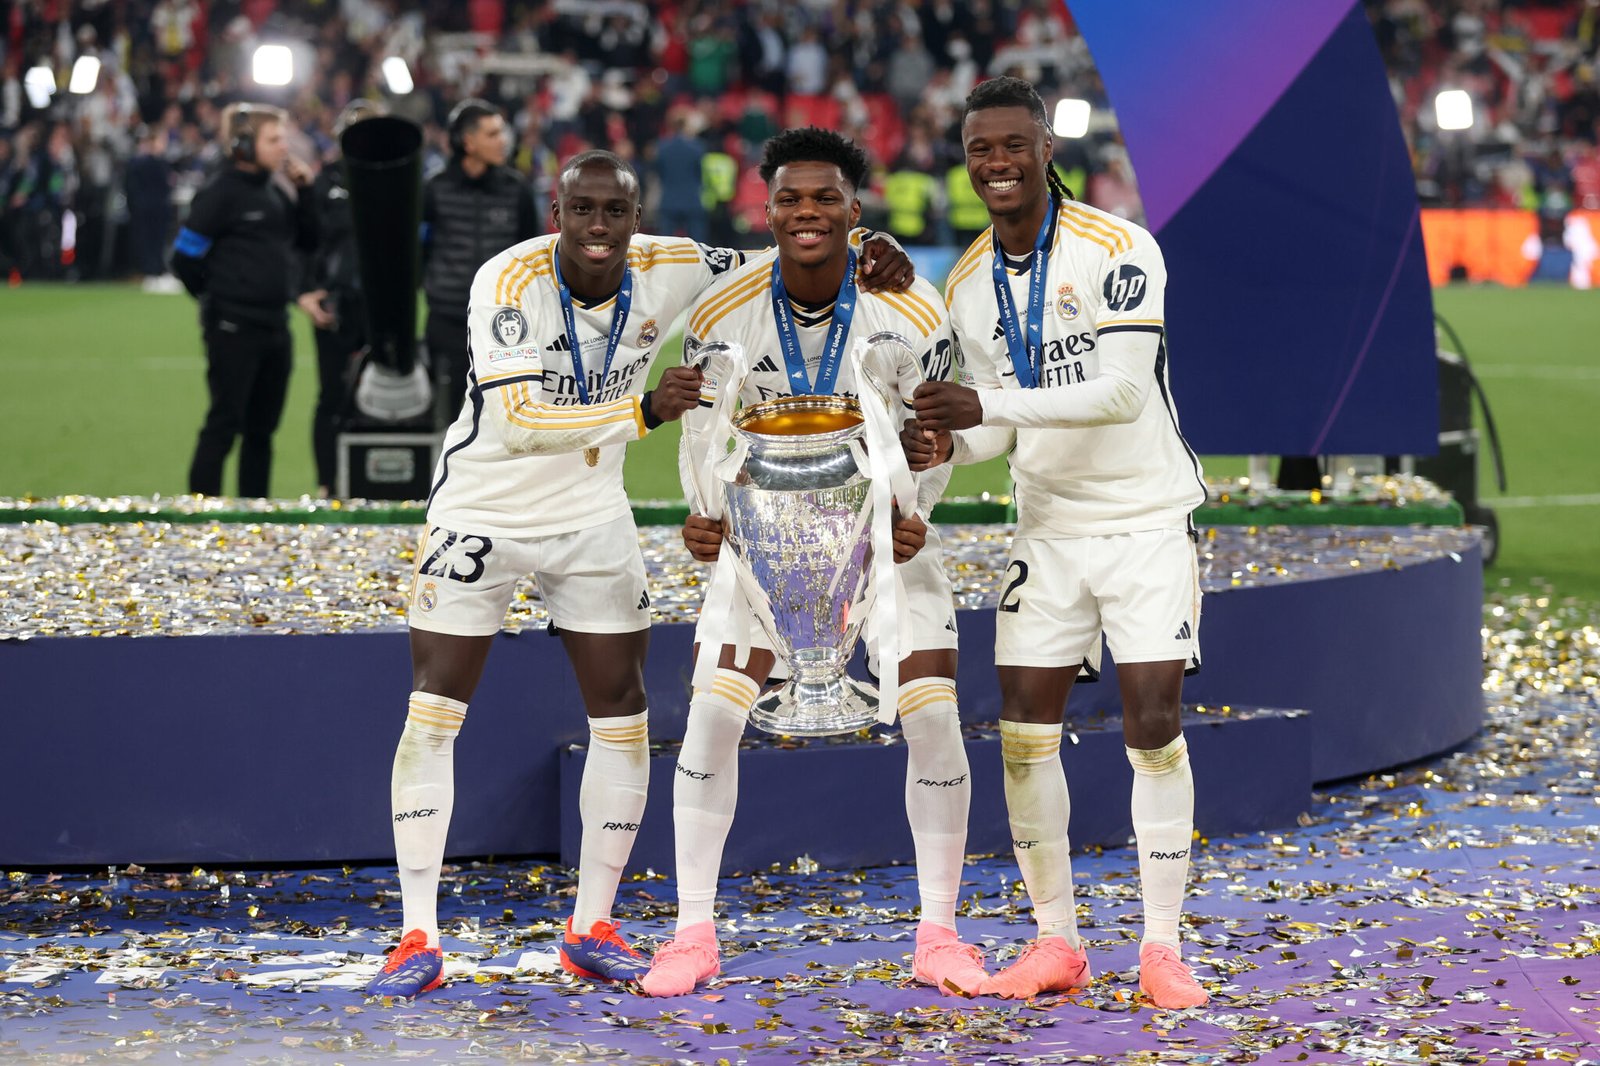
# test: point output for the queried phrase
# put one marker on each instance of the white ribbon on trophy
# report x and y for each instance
(706, 454)
(877, 362)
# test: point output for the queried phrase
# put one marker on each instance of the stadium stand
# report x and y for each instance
(82, 173)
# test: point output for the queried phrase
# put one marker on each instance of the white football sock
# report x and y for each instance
(938, 792)
(422, 793)
(1036, 797)
(1163, 827)
(616, 779)
(705, 790)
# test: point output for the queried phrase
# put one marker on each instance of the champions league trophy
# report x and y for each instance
(803, 520)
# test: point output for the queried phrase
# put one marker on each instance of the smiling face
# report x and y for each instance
(1007, 153)
(811, 209)
(596, 212)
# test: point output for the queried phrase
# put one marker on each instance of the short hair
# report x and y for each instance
(463, 119)
(1006, 92)
(245, 120)
(813, 145)
(598, 156)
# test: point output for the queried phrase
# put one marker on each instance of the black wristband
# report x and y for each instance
(650, 419)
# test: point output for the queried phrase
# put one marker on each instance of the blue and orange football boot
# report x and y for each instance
(601, 954)
(412, 968)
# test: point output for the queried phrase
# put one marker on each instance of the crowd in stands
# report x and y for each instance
(93, 184)
(1530, 68)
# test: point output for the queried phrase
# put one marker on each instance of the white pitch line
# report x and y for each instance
(1539, 370)
(1589, 499)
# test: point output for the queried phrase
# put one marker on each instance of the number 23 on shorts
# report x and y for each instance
(457, 556)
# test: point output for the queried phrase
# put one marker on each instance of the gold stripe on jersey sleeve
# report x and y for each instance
(910, 311)
(591, 423)
(744, 285)
(970, 256)
(742, 293)
(514, 293)
(513, 270)
(927, 311)
(1117, 233)
(727, 309)
(582, 412)
(490, 379)
(968, 264)
(1086, 234)
(1133, 322)
(644, 261)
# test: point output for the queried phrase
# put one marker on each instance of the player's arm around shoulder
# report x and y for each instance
(507, 336)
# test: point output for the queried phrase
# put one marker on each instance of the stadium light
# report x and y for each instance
(1072, 118)
(85, 75)
(397, 75)
(40, 85)
(1453, 108)
(272, 64)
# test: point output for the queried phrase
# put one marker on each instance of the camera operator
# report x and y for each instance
(236, 254)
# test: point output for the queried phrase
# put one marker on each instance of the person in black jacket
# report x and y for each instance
(236, 254)
(330, 295)
(472, 210)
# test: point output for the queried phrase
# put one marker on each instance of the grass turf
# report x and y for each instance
(131, 365)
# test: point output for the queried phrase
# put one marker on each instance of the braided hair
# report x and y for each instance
(1015, 92)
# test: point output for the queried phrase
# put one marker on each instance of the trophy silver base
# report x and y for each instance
(817, 709)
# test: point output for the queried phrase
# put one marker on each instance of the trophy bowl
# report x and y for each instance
(796, 516)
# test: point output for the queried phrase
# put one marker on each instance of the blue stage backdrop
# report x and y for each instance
(1273, 171)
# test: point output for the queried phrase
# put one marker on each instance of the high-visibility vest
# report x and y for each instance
(907, 194)
(966, 207)
(718, 175)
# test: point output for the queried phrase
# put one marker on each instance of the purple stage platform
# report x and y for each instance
(259, 748)
(1447, 913)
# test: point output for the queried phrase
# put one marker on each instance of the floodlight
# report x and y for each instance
(85, 75)
(40, 85)
(272, 64)
(1453, 107)
(1072, 118)
(397, 75)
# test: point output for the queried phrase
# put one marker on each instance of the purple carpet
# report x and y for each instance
(1446, 913)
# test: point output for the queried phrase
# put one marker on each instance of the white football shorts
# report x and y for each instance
(592, 580)
(1142, 590)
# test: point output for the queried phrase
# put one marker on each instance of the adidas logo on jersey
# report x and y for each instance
(767, 365)
(559, 345)
(999, 330)
(1183, 633)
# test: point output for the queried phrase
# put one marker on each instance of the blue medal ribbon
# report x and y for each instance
(844, 308)
(1025, 349)
(619, 318)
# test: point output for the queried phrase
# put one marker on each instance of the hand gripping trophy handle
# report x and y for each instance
(706, 433)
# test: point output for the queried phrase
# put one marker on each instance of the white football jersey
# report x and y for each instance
(738, 310)
(522, 394)
(1123, 464)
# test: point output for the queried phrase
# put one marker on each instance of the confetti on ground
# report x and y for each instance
(1447, 912)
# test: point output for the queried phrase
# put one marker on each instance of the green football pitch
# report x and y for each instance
(103, 392)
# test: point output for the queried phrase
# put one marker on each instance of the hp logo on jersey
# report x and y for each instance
(508, 326)
(1125, 288)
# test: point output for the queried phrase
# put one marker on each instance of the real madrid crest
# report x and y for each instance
(1067, 305)
(648, 333)
(428, 597)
